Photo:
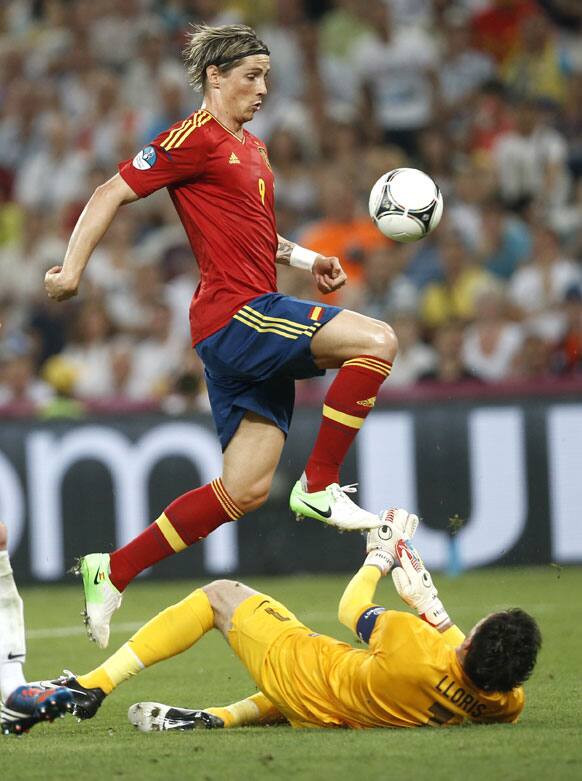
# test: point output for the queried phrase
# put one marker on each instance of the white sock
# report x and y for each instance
(12, 642)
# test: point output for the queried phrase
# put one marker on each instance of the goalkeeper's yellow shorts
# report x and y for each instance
(291, 664)
(257, 623)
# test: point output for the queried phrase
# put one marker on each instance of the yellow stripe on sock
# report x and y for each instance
(385, 366)
(264, 330)
(229, 506)
(384, 372)
(170, 534)
(365, 366)
(222, 497)
(342, 417)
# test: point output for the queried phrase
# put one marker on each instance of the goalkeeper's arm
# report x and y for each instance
(358, 598)
(415, 587)
(357, 609)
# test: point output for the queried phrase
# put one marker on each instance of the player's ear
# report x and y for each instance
(213, 77)
(464, 648)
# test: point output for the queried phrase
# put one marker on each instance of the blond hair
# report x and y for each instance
(221, 46)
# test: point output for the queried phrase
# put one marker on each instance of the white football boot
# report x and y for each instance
(332, 506)
(102, 599)
(155, 717)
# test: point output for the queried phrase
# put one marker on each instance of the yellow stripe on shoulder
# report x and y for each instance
(198, 122)
(180, 134)
(174, 132)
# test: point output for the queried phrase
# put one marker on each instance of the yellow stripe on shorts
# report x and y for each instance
(279, 321)
(263, 330)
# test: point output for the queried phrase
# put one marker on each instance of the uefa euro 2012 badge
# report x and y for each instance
(145, 159)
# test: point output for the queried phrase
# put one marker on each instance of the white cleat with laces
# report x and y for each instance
(332, 506)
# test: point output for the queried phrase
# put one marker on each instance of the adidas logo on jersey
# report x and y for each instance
(367, 402)
(233, 159)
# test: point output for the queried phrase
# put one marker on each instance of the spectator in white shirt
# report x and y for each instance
(538, 287)
(531, 160)
(492, 341)
(91, 353)
(156, 359)
(397, 67)
(463, 69)
(386, 289)
(415, 357)
(56, 175)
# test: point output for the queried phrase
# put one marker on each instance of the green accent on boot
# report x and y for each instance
(94, 569)
(318, 504)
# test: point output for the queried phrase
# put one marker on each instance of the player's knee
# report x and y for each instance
(253, 496)
(218, 591)
(219, 586)
(383, 341)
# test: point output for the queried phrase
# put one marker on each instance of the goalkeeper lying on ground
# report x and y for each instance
(416, 670)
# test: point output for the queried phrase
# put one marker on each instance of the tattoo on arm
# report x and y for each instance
(284, 250)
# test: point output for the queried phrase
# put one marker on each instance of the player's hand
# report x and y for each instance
(328, 273)
(3, 536)
(58, 285)
(414, 585)
(381, 542)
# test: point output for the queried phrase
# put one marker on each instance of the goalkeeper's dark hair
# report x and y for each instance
(503, 651)
(222, 46)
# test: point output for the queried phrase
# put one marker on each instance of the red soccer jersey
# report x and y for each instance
(223, 191)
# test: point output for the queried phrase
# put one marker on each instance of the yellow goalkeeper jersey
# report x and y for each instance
(409, 676)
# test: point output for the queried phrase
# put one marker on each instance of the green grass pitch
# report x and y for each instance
(546, 744)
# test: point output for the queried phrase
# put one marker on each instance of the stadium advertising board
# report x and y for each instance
(509, 475)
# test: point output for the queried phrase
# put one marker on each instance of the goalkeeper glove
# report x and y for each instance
(414, 585)
(381, 542)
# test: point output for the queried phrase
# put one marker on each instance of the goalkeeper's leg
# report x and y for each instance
(171, 632)
(156, 717)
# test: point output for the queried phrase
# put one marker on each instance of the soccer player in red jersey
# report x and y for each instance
(254, 342)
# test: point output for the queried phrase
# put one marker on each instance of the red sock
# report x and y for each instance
(349, 399)
(186, 520)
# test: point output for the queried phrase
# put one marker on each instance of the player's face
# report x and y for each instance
(244, 87)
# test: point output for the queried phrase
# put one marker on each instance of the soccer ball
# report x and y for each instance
(406, 204)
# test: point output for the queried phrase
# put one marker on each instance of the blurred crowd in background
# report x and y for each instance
(484, 95)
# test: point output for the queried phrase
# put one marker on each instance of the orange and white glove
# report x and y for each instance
(381, 542)
(415, 587)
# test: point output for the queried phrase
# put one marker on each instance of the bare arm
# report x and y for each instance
(327, 272)
(284, 250)
(62, 282)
